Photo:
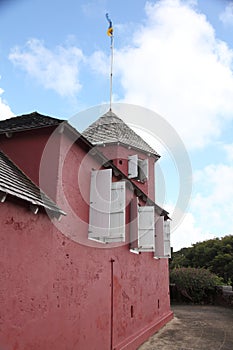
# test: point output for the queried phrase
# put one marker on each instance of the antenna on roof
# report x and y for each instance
(110, 33)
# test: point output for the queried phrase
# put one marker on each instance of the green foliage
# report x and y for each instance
(194, 284)
(215, 255)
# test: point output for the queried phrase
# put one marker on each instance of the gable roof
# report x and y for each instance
(30, 121)
(14, 182)
(110, 129)
(27, 190)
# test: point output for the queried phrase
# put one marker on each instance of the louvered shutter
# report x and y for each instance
(117, 214)
(162, 238)
(134, 224)
(146, 229)
(100, 204)
(132, 166)
(167, 244)
(143, 169)
(159, 237)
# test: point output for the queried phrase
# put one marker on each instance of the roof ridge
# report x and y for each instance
(29, 121)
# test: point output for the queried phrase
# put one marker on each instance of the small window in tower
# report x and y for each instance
(137, 168)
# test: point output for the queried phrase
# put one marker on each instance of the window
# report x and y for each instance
(117, 213)
(137, 168)
(100, 201)
(107, 208)
(162, 238)
(142, 228)
(146, 228)
(167, 243)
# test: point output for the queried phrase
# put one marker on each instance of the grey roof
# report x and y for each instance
(107, 129)
(14, 182)
(23, 122)
(111, 129)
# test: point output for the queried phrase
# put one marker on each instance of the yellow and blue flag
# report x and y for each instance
(110, 27)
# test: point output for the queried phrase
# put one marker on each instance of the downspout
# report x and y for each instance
(112, 309)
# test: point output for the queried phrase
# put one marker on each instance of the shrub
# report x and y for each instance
(194, 284)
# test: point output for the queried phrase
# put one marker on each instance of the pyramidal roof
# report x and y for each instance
(111, 129)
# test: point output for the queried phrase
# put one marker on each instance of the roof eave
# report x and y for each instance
(29, 128)
(150, 153)
(45, 206)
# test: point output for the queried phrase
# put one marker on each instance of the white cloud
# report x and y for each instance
(177, 67)
(57, 70)
(5, 110)
(229, 151)
(213, 203)
(211, 208)
(188, 233)
(99, 62)
(227, 15)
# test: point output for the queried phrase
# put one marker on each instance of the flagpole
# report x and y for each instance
(111, 74)
(110, 33)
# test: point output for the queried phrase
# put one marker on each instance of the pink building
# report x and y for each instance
(83, 264)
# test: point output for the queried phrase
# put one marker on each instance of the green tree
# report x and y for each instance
(194, 284)
(214, 254)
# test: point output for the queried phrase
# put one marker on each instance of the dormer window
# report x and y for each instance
(137, 168)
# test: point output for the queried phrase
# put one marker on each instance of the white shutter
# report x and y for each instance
(162, 238)
(100, 204)
(134, 224)
(143, 169)
(167, 244)
(159, 237)
(146, 229)
(132, 166)
(117, 215)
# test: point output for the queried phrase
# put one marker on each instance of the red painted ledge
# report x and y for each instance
(137, 339)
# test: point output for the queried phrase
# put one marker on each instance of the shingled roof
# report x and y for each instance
(107, 129)
(111, 129)
(33, 120)
(14, 182)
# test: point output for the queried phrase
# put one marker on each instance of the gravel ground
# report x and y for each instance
(195, 328)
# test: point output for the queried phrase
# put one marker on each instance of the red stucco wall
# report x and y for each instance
(26, 148)
(60, 291)
(119, 154)
(50, 287)
(56, 294)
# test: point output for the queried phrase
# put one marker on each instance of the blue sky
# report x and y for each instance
(171, 56)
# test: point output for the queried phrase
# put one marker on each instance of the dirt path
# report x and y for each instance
(195, 328)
